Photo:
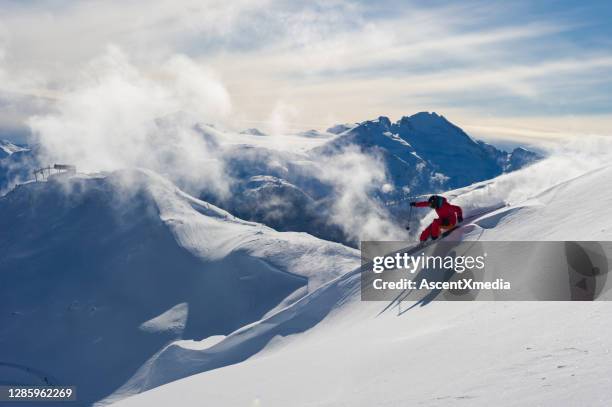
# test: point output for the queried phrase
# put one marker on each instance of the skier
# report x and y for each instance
(449, 216)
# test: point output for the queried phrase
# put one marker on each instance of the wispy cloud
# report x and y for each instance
(116, 117)
(328, 60)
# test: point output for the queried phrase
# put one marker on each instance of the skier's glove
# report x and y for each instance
(459, 219)
(412, 203)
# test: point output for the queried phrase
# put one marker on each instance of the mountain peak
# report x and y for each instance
(341, 128)
(437, 145)
(423, 120)
(428, 115)
(382, 121)
(314, 134)
(253, 132)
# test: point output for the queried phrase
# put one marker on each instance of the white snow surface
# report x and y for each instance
(7, 148)
(99, 273)
(213, 233)
(331, 349)
(173, 320)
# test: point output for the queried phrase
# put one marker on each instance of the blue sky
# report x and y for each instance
(526, 70)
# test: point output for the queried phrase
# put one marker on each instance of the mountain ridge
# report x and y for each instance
(339, 325)
(112, 267)
(447, 155)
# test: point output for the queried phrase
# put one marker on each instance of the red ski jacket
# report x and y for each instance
(447, 213)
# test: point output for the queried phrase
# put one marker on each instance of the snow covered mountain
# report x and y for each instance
(426, 153)
(280, 189)
(341, 128)
(330, 348)
(423, 153)
(16, 164)
(253, 132)
(299, 189)
(7, 148)
(316, 134)
(126, 273)
(99, 273)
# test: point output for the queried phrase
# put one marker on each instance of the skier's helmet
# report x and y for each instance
(435, 201)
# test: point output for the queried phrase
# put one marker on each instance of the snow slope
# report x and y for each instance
(16, 165)
(571, 210)
(7, 148)
(98, 273)
(331, 349)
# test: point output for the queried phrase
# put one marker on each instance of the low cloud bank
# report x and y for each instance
(116, 116)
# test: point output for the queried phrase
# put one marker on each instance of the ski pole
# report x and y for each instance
(409, 217)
